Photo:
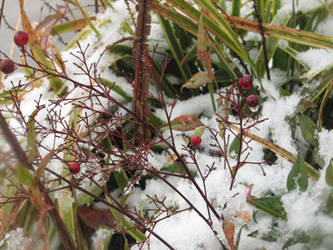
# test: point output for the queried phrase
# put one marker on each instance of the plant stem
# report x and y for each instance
(262, 33)
(141, 78)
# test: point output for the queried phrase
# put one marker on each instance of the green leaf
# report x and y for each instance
(308, 129)
(31, 137)
(329, 174)
(121, 179)
(6, 95)
(271, 205)
(24, 175)
(298, 176)
(236, 6)
(174, 46)
(234, 147)
(126, 225)
(116, 88)
(177, 168)
(198, 80)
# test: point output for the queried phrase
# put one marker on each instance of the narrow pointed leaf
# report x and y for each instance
(228, 227)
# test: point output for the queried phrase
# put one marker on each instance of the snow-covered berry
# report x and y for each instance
(245, 82)
(74, 168)
(7, 66)
(196, 141)
(21, 38)
(252, 101)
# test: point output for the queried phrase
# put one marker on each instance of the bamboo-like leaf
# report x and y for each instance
(271, 45)
(293, 53)
(311, 171)
(70, 26)
(236, 6)
(285, 33)
(215, 23)
(87, 18)
(175, 47)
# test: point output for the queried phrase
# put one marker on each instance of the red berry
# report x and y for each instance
(21, 38)
(7, 66)
(74, 168)
(252, 101)
(196, 141)
(245, 82)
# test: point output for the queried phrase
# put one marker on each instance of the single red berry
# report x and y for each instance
(21, 38)
(252, 101)
(245, 82)
(7, 66)
(196, 141)
(74, 168)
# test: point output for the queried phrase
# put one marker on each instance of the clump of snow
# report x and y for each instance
(317, 60)
(303, 5)
(99, 237)
(325, 27)
(16, 239)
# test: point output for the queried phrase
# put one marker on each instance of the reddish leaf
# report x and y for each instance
(202, 48)
(229, 231)
(94, 217)
(185, 123)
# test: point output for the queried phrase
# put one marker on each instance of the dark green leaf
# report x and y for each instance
(271, 205)
(121, 179)
(298, 175)
(177, 168)
(308, 129)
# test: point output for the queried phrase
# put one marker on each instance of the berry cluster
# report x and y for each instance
(246, 83)
(7, 66)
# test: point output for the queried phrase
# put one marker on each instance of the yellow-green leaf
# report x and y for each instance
(24, 175)
(198, 80)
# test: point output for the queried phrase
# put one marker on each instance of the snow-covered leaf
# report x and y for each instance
(298, 175)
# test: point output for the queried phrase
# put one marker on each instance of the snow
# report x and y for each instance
(317, 60)
(187, 230)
